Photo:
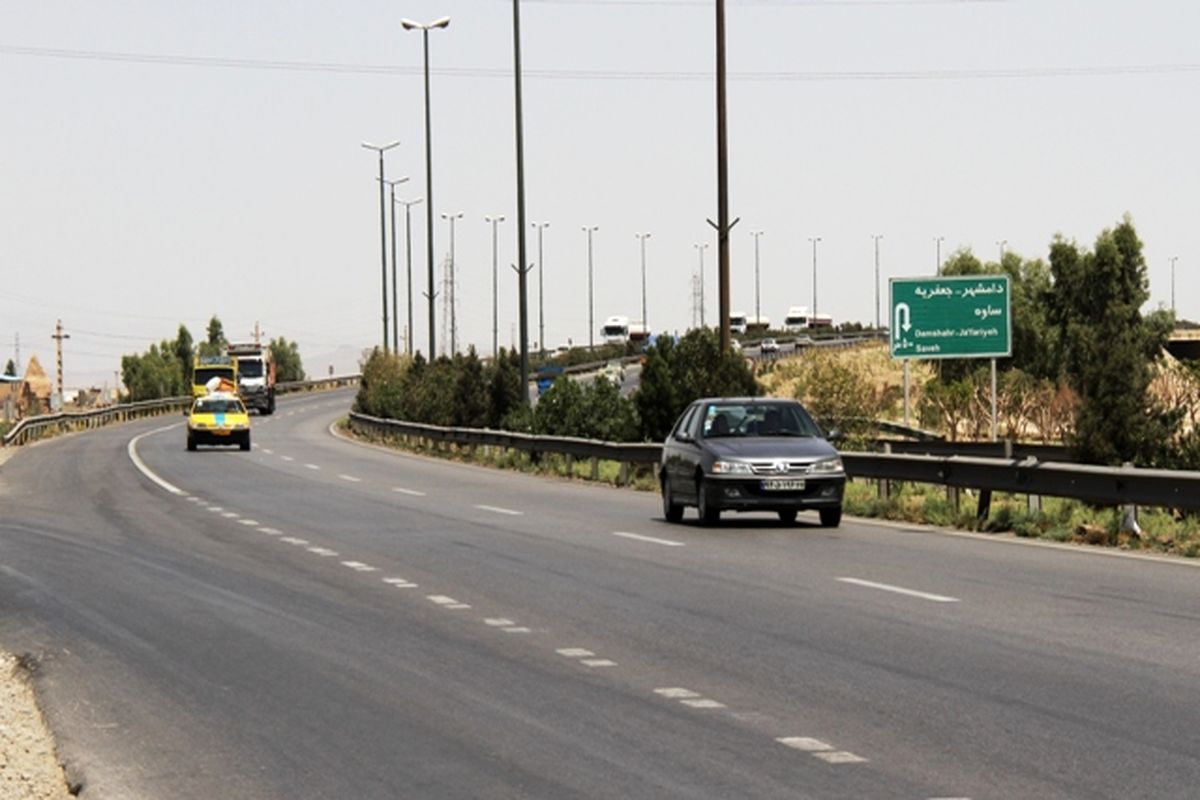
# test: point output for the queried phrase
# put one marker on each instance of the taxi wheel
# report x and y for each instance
(245, 443)
(191, 443)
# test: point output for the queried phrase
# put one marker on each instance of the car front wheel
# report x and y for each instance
(708, 514)
(831, 517)
(672, 511)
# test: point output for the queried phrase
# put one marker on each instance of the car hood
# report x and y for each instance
(761, 447)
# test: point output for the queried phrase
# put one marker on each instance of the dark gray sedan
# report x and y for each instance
(750, 454)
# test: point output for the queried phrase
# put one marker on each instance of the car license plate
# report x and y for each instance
(783, 485)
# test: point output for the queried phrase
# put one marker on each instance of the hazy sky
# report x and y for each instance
(164, 161)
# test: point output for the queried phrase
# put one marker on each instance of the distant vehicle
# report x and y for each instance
(638, 332)
(256, 375)
(737, 322)
(219, 418)
(799, 317)
(546, 377)
(750, 454)
(615, 330)
(614, 371)
(758, 323)
(803, 340)
(213, 374)
(768, 345)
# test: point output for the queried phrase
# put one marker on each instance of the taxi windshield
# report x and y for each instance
(219, 405)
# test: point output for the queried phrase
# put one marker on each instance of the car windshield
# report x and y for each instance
(250, 369)
(757, 419)
(219, 405)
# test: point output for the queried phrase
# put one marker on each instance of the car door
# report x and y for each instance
(680, 448)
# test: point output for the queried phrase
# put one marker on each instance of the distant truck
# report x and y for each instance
(214, 374)
(256, 375)
(615, 330)
(737, 322)
(799, 317)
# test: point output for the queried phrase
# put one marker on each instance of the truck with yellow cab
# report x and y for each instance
(214, 374)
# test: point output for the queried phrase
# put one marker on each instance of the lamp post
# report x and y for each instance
(700, 248)
(453, 280)
(541, 226)
(395, 299)
(642, 237)
(757, 296)
(814, 240)
(408, 204)
(409, 25)
(877, 237)
(1001, 244)
(589, 230)
(494, 221)
(381, 149)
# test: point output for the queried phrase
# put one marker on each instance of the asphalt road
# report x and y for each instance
(320, 619)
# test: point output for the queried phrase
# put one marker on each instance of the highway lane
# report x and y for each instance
(602, 653)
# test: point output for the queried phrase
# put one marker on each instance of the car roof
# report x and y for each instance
(759, 400)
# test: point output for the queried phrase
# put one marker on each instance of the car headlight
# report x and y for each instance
(731, 468)
(199, 425)
(830, 466)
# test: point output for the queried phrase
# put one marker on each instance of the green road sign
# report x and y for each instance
(964, 316)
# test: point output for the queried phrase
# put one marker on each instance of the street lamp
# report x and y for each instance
(494, 220)
(541, 226)
(1001, 244)
(381, 149)
(814, 240)
(757, 297)
(409, 25)
(589, 230)
(408, 204)
(453, 280)
(643, 237)
(937, 240)
(700, 248)
(877, 237)
(395, 301)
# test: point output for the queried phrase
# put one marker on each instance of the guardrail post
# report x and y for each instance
(623, 477)
(1129, 514)
(595, 468)
(885, 486)
(570, 465)
(985, 507)
(952, 498)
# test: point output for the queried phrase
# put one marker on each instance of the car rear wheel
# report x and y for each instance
(191, 443)
(831, 517)
(787, 517)
(672, 511)
(245, 443)
(708, 514)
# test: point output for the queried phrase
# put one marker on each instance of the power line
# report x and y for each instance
(1002, 73)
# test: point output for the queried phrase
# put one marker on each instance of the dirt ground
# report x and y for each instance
(29, 768)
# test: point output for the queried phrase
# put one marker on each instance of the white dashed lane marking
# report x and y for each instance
(676, 692)
(312, 466)
(287, 458)
(651, 539)
(400, 583)
(575, 652)
(499, 510)
(884, 587)
(268, 452)
(597, 662)
(350, 478)
(231, 515)
(702, 702)
(499, 622)
(821, 750)
(217, 509)
(322, 551)
(410, 492)
(446, 602)
(270, 531)
(294, 540)
(358, 566)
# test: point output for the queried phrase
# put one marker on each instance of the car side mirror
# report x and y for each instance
(683, 436)
(834, 435)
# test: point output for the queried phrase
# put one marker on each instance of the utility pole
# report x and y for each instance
(381, 149)
(1174, 258)
(58, 337)
(257, 333)
(589, 230)
(1001, 244)
(723, 225)
(453, 282)
(757, 306)
(494, 221)
(700, 248)
(541, 226)
(408, 204)
(395, 299)
(938, 266)
(522, 267)
(643, 237)
(814, 240)
(877, 237)
(17, 347)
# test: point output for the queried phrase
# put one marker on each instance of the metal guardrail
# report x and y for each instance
(33, 428)
(1093, 484)
(627, 454)
(1007, 450)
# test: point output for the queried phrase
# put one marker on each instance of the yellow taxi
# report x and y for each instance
(218, 418)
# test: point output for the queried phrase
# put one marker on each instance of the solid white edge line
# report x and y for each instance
(639, 537)
(145, 470)
(937, 598)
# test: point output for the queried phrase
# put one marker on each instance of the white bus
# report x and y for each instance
(615, 330)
